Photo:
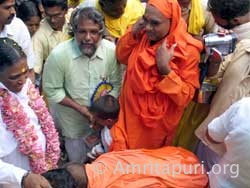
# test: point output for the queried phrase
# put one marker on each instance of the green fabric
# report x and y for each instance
(192, 117)
(68, 73)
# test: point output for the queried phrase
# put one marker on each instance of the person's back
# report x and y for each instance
(161, 168)
(233, 129)
(166, 167)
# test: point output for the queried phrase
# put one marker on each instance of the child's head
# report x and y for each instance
(105, 111)
(60, 178)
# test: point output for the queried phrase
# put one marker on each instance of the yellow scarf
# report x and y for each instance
(117, 27)
(196, 18)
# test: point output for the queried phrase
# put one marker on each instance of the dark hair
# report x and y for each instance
(106, 107)
(10, 53)
(52, 3)
(109, 7)
(88, 13)
(26, 10)
(77, 170)
(60, 178)
(108, 2)
(229, 9)
(2, 1)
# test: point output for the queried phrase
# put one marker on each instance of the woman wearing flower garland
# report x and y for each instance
(29, 140)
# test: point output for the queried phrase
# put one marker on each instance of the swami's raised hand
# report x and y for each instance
(164, 55)
(137, 28)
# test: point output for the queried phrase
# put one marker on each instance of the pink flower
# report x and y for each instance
(18, 122)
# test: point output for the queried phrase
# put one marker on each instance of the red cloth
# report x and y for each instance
(168, 167)
(152, 105)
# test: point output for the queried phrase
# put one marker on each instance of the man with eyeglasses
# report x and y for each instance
(53, 30)
(74, 72)
(235, 83)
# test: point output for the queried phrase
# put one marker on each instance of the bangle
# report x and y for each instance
(24, 177)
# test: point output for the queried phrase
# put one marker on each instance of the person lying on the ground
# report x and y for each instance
(141, 168)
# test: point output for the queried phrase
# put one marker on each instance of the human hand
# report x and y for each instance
(35, 181)
(214, 61)
(137, 28)
(164, 55)
(85, 112)
(90, 117)
(41, 9)
(221, 31)
(95, 126)
(31, 75)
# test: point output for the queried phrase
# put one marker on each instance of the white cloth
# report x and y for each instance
(13, 164)
(102, 147)
(106, 138)
(232, 128)
(18, 31)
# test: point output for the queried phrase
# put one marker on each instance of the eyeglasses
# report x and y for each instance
(55, 16)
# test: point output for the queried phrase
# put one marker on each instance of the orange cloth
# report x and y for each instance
(152, 105)
(160, 168)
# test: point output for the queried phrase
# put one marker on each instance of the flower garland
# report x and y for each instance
(19, 124)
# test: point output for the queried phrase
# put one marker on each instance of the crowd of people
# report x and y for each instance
(103, 93)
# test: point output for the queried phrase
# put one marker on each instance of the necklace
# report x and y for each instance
(18, 123)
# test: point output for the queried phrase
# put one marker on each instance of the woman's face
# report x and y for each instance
(157, 26)
(33, 24)
(14, 77)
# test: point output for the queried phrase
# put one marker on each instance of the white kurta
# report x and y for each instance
(19, 32)
(13, 164)
(103, 146)
(232, 128)
(106, 138)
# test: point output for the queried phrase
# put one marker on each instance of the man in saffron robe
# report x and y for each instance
(162, 74)
(141, 168)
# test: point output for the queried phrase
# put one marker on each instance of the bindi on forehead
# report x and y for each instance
(24, 69)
